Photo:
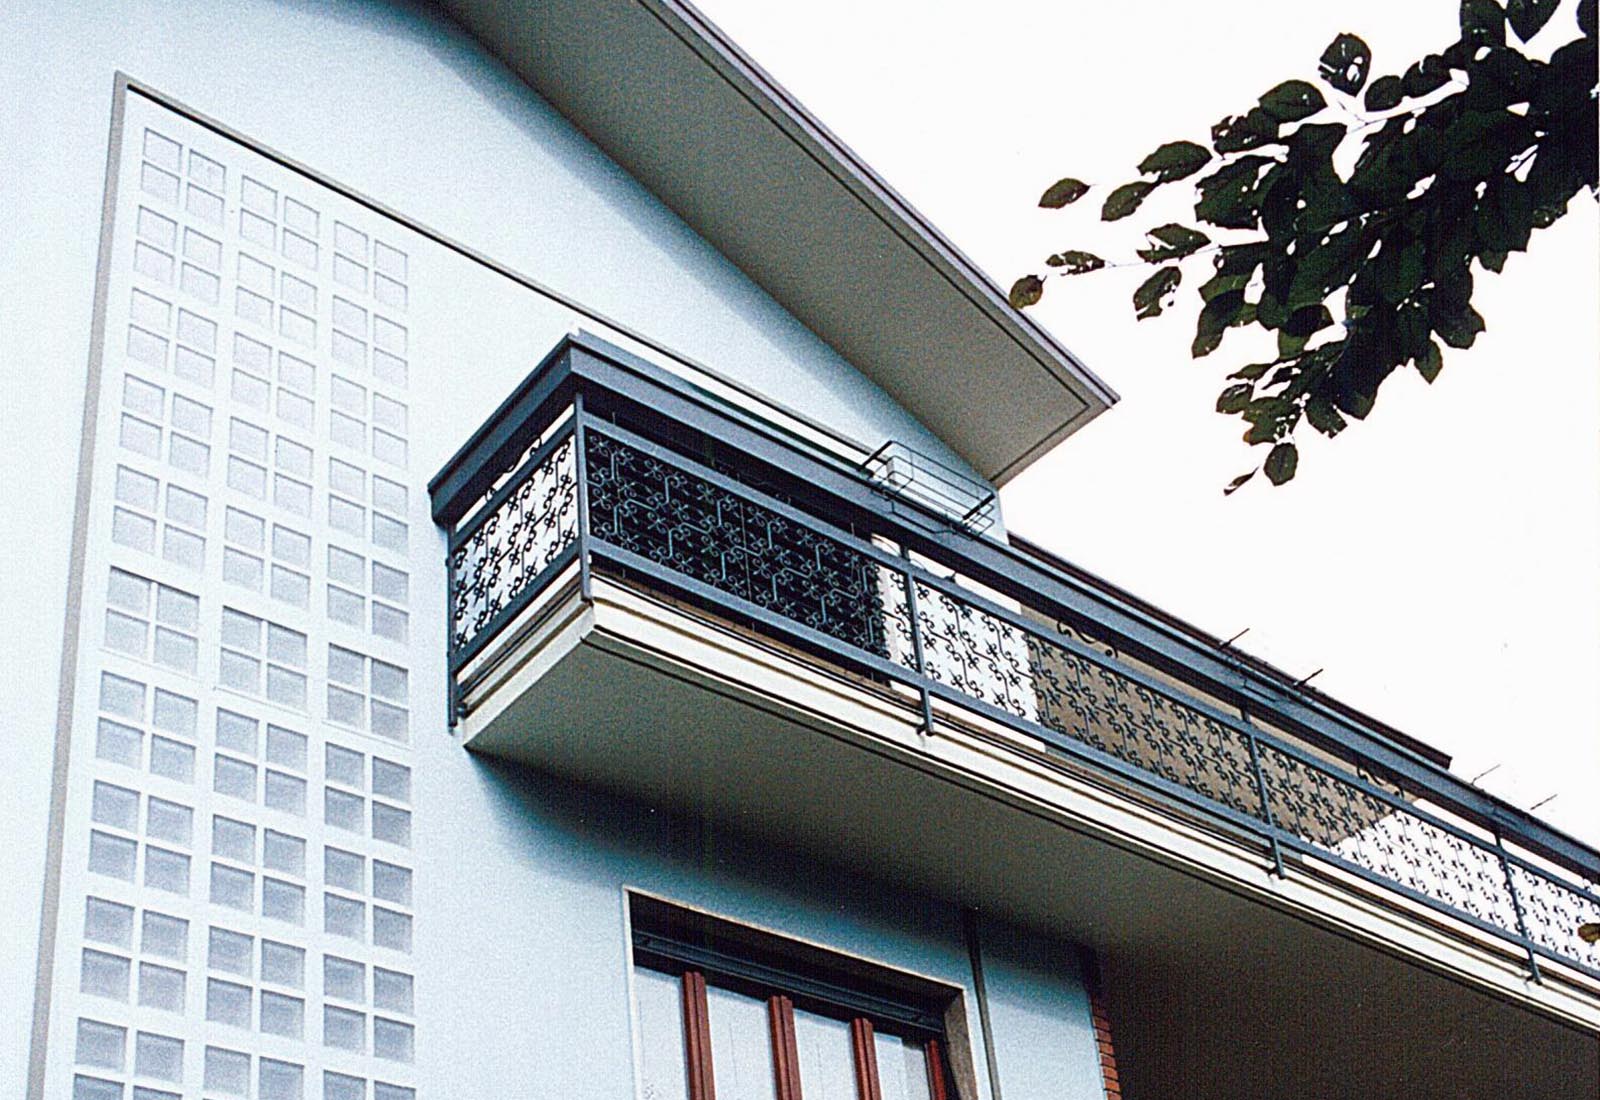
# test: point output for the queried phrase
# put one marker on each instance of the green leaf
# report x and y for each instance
(1345, 63)
(1062, 192)
(1125, 200)
(1281, 463)
(1324, 417)
(1430, 363)
(1220, 284)
(1236, 133)
(1293, 100)
(1214, 320)
(1230, 196)
(1236, 482)
(1400, 269)
(1173, 242)
(1147, 299)
(1483, 23)
(1253, 372)
(1459, 330)
(1427, 75)
(1308, 321)
(1235, 398)
(1026, 291)
(1384, 94)
(1586, 17)
(1175, 160)
(1290, 344)
(1494, 261)
(1076, 263)
(1527, 16)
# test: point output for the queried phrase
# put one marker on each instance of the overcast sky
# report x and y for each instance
(1439, 561)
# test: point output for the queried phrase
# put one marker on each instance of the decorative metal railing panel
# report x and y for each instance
(692, 525)
(529, 518)
(659, 517)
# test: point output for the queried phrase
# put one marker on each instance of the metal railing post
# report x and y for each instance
(1516, 907)
(917, 656)
(1261, 793)
(453, 697)
(580, 459)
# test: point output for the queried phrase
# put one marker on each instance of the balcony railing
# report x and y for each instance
(606, 463)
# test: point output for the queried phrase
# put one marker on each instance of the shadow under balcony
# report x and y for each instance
(657, 593)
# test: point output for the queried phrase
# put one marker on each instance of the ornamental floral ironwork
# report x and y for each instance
(514, 542)
(689, 524)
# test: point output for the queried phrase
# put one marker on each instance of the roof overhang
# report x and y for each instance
(668, 97)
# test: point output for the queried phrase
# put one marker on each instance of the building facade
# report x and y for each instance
(517, 606)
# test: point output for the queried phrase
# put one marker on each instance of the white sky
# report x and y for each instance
(1440, 561)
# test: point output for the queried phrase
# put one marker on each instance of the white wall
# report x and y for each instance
(401, 107)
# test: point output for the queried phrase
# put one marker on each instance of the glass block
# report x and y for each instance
(390, 721)
(115, 806)
(161, 987)
(343, 810)
(169, 821)
(95, 1088)
(391, 623)
(286, 747)
(280, 1080)
(344, 917)
(183, 548)
(121, 696)
(283, 901)
(250, 531)
(349, 668)
(231, 952)
(235, 778)
(391, 882)
(108, 922)
(233, 839)
(391, 929)
(172, 759)
(346, 870)
(282, 1015)
(344, 1029)
(391, 780)
(133, 530)
(128, 593)
(232, 887)
(244, 570)
(392, 584)
(391, 824)
(381, 1091)
(176, 714)
(346, 766)
(166, 870)
(112, 855)
(290, 586)
(344, 979)
(164, 935)
(282, 852)
(236, 732)
(158, 1056)
(286, 688)
(104, 975)
(392, 990)
(100, 1044)
(118, 743)
(286, 792)
(283, 964)
(345, 707)
(341, 1086)
(175, 650)
(227, 1071)
(391, 1039)
(227, 1003)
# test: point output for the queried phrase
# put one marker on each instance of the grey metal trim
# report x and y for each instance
(66, 690)
(969, 930)
(467, 252)
(832, 154)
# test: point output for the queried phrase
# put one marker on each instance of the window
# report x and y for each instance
(730, 1012)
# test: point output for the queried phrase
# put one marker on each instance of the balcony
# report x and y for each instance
(656, 592)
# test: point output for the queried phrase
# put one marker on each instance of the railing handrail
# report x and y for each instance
(612, 378)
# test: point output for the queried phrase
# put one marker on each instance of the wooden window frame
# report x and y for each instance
(701, 950)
